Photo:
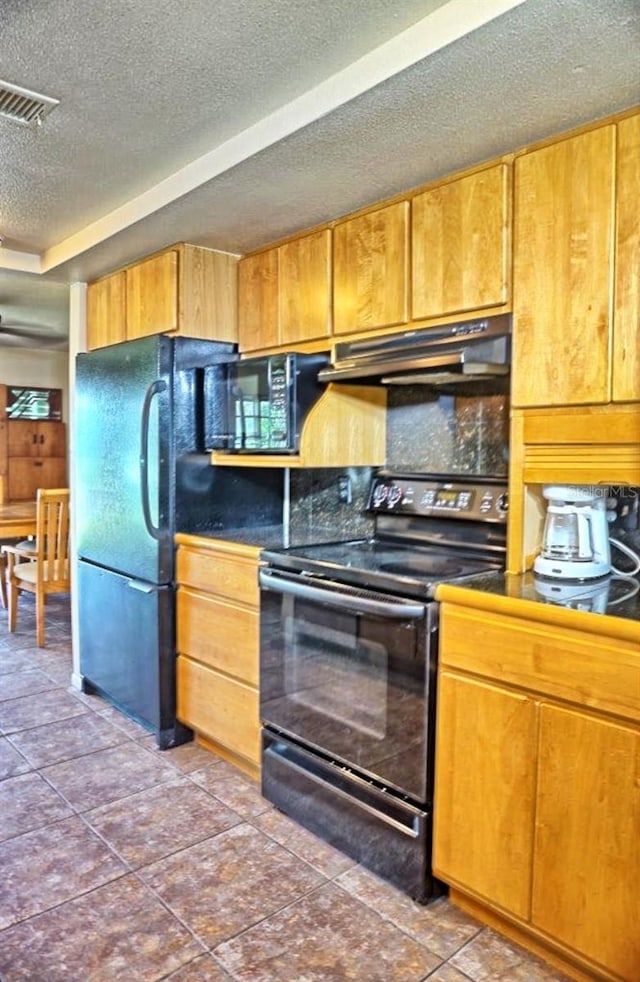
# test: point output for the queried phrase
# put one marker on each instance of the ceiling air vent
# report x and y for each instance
(24, 106)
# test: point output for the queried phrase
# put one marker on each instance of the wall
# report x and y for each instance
(40, 368)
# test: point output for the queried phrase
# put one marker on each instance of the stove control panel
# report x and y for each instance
(454, 498)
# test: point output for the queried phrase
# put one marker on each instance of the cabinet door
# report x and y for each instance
(106, 311)
(305, 288)
(626, 343)
(563, 253)
(484, 792)
(27, 474)
(51, 439)
(460, 244)
(258, 301)
(586, 887)
(371, 256)
(152, 296)
(22, 438)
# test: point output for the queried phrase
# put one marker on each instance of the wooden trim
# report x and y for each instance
(246, 766)
(532, 940)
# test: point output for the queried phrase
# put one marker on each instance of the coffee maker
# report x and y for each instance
(575, 540)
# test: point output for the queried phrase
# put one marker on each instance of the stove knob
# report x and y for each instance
(502, 503)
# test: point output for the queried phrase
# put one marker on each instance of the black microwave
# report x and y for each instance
(261, 403)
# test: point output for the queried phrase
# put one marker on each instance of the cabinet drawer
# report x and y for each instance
(226, 576)
(218, 633)
(555, 661)
(224, 710)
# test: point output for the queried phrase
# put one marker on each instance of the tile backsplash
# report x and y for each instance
(316, 512)
(426, 432)
(445, 434)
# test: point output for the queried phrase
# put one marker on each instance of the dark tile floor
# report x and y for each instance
(119, 862)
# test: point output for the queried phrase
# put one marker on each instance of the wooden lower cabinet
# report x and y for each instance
(486, 743)
(217, 627)
(537, 794)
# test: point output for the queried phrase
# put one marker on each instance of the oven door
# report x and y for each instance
(350, 673)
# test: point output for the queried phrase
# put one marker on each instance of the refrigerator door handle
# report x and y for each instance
(154, 389)
(140, 586)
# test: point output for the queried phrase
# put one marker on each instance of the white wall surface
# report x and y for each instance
(40, 368)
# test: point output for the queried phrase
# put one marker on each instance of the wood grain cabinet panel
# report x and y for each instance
(152, 296)
(371, 270)
(587, 845)
(258, 309)
(563, 267)
(219, 707)
(188, 291)
(537, 797)
(305, 288)
(106, 311)
(460, 244)
(626, 337)
(485, 791)
(217, 632)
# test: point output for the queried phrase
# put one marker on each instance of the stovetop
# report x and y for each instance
(428, 529)
(376, 564)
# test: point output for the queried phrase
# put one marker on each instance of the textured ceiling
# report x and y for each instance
(148, 87)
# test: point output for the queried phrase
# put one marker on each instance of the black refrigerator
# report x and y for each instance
(141, 474)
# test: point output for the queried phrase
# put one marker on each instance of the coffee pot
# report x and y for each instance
(575, 540)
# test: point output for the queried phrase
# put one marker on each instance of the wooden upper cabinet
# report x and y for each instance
(626, 318)
(284, 293)
(461, 244)
(152, 296)
(563, 266)
(186, 290)
(106, 311)
(305, 288)
(258, 325)
(371, 270)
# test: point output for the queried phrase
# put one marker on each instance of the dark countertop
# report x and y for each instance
(602, 599)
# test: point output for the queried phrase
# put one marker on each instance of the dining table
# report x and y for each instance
(17, 520)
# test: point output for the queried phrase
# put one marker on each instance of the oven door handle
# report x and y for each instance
(395, 610)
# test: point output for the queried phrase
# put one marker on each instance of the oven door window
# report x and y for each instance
(351, 683)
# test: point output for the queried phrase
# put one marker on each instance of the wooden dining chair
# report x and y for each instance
(46, 570)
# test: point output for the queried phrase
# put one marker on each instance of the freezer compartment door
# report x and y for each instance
(127, 653)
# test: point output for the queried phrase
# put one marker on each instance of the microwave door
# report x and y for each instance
(237, 417)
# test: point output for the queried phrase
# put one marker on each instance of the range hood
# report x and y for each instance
(457, 353)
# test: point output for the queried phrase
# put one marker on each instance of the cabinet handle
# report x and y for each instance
(37, 463)
(34, 438)
(42, 438)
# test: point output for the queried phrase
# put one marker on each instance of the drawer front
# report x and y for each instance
(217, 707)
(571, 665)
(226, 576)
(219, 634)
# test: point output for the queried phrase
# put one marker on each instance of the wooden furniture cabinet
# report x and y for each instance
(537, 796)
(186, 290)
(284, 293)
(217, 626)
(460, 236)
(371, 270)
(563, 271)
(36, 457)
